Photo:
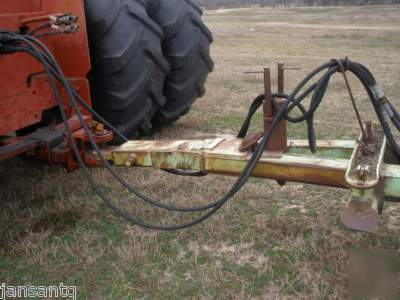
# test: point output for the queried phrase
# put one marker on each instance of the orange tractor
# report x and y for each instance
(80, 78)
(140, 64)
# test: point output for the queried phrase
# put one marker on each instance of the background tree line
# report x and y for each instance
(212, 4)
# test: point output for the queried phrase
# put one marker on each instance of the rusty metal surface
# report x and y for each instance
(250, 142)
(267, 103)
(100, 137)
(367, 160)
(17, 148)
(364, 178)
(50, 145)
(278, 141)
(361, 213)
(281, 78)
(359, 221)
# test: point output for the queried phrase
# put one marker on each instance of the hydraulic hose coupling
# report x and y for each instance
(5, 36)
(383, 101)
(65, 28)
(7, 43)
(67, 19)
(7, 49)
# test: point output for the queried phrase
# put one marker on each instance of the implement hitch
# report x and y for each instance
(76, 136)
(337, 164)
(369, 167)
(362, 166)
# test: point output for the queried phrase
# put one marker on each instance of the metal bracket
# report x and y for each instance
(278, 142)
(363, 177)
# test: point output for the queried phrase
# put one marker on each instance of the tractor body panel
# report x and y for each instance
(25, 95)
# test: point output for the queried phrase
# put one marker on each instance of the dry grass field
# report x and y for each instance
(269, 242)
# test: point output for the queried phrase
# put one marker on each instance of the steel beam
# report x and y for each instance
(221, 156)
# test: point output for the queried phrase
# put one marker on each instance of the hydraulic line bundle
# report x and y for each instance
(283, 105)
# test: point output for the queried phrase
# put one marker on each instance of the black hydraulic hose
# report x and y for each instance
(100, 118)
(255, 105)
(300, 98)
(370, 84)
(257, 102)
(241, 181)
(75, 93)
(242, 133)
(310, 120)
(87, 173)
(395, 112)
(122, 181)
(317, 96)
(312, 140)
(323, 89)
(240, 185)
(185, 173)
(252, 163)
(319, 89)
(396, 116)
(396, 123)
(52, 69)
(176, 172)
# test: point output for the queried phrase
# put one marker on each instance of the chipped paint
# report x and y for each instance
(222, 156)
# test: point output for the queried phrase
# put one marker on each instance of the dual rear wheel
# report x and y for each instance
(150, 61)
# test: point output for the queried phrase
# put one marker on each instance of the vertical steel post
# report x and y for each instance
(267, 104)
(278, 142)
(281, 78)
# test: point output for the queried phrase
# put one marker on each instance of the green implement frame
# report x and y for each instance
(335, 164)
(366, 166)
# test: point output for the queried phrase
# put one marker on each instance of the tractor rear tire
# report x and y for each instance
(128, 65)
(187, 47)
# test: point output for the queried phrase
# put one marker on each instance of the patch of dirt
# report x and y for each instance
(242, 254)
(301, 208)
(51, 223)
(57, 221)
